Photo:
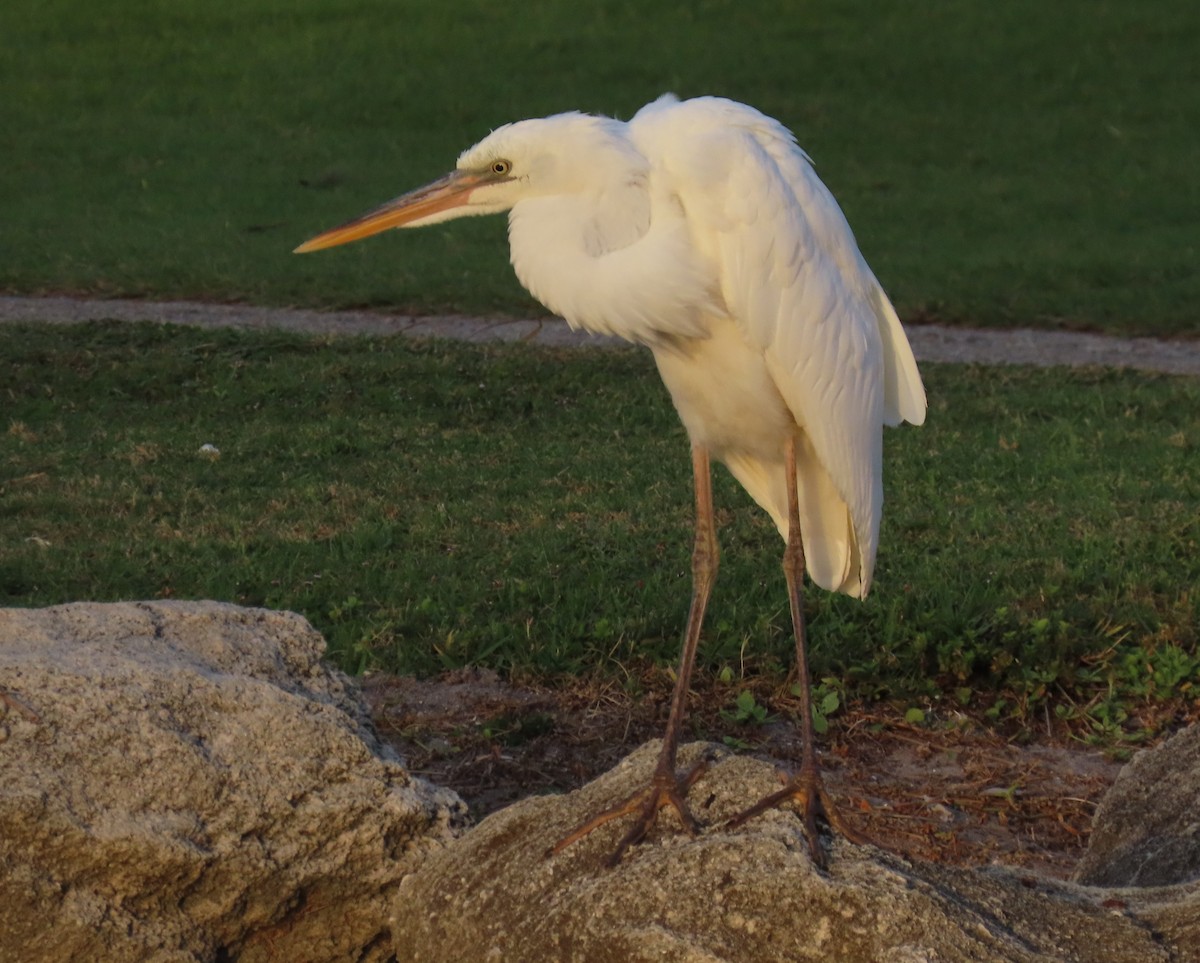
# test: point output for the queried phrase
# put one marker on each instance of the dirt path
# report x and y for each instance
(930, 342)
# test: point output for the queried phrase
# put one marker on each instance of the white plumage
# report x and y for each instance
(700, 229)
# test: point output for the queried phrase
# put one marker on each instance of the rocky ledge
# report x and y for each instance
(189, 781)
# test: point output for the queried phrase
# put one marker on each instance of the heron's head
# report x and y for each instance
(564, 154)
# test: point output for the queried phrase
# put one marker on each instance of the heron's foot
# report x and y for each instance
(808, 790)
(666, 789)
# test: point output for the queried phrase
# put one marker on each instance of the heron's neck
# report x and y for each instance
(614, 263)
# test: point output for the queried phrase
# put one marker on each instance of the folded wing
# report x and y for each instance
(791, 276)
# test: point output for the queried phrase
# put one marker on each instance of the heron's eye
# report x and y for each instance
(501, 167)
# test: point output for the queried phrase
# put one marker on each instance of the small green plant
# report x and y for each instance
(747, 710)
(340, 611)
(826, 700)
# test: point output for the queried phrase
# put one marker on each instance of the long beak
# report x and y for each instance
(453, 190)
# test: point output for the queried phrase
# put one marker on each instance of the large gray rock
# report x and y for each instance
(751, 896)
(1147, 828)
(189, 781)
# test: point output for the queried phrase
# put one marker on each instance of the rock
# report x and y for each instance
(187, 781)
(750, 896)
(1147, 828)
(190, 782)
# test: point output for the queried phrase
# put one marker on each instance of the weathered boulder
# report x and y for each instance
(751, 896)
(188, 781)
(1147, 828)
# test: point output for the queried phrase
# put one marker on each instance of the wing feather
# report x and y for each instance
(791, 275)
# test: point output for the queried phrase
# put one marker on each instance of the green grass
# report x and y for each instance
(430, 505)
(1018, 162)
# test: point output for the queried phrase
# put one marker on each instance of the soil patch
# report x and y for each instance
(954, 792)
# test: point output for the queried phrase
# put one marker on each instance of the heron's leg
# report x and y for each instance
(668, 788)
(806, 786)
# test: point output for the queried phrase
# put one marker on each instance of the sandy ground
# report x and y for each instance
(930, 342)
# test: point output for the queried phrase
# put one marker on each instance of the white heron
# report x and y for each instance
(700, 229)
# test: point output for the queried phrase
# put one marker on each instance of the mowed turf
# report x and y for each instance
(430, 505)
(1019, 162)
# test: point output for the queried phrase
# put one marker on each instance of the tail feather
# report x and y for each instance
(832, 551)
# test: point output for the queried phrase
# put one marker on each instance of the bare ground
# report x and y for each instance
(955, 791)
(930, 342)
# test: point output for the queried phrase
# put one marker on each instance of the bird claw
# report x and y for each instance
(808, 790)
(665, 789)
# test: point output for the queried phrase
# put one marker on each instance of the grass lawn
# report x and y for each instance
(1020, 162)
(430, 505)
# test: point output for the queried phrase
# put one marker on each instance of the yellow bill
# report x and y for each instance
(453, 190)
